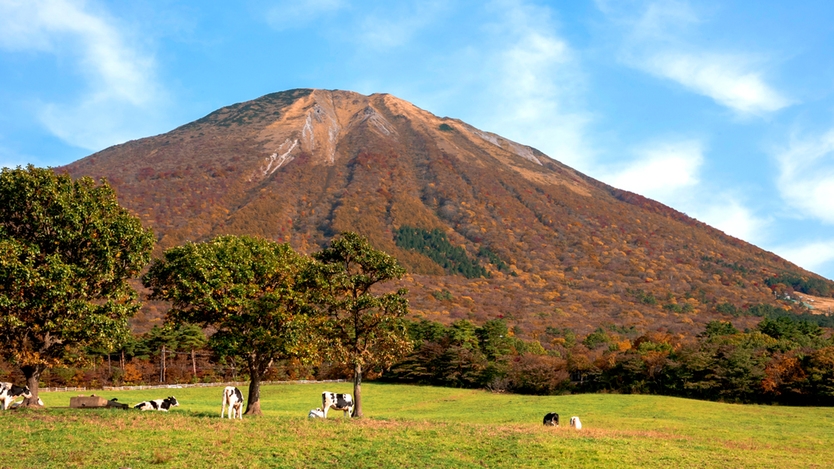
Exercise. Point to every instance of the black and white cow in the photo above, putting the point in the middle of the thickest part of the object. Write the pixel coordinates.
(551, 419)
(336, 401)
(232, 398)
(316, 414)
(9, 393)
(575, 423)
(158, 404)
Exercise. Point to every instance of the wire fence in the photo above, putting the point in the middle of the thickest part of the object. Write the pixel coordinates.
(180, 386)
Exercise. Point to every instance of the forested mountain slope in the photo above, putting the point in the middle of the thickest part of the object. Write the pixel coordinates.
(486, 227)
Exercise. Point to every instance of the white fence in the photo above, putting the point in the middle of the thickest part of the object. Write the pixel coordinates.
(185, 385)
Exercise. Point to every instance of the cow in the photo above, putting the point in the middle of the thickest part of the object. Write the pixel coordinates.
(336, 401)
(234, 399)
(551, 419)
(158, 404)
(316, 414)
(575, 423)
(9, 393)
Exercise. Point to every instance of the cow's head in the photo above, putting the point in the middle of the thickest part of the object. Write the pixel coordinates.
(173, 401)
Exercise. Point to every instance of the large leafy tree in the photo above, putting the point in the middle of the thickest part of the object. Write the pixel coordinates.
(247, 290)
(66, 251)
(365, 327)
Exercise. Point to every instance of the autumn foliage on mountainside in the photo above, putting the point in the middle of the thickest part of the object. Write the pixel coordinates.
(564, 250)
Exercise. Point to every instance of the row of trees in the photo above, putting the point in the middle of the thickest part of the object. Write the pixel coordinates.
(781, 360)
(67, 249)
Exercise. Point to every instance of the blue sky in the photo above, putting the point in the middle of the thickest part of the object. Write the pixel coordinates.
(721, 109)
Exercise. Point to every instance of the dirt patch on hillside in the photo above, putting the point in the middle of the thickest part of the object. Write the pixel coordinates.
(818, 304)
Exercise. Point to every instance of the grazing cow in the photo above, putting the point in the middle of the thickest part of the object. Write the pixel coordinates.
(336, 401)
(9, 393)
(575, 423)
(316, 414)
(158, 404)
(551, 419)
(234, 399)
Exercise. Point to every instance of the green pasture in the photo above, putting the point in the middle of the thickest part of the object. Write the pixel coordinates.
(417, 426)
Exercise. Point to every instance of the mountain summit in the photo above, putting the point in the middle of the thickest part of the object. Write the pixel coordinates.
(487, 227)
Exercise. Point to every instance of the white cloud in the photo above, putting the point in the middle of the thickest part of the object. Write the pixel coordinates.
(812, 256)
(670, 172)
(725, 78)
(293, 14)
(654, 42)
(806, 176)
(661, 171)
(534, 84)
(728, 214)
(122, 91)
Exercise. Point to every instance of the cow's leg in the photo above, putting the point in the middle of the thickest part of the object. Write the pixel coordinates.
(223, 407)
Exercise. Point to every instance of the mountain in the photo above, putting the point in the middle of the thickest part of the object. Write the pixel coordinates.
(487, 227)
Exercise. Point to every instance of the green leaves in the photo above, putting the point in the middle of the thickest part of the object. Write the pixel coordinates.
(246, 288)
(363, 327)
(66, 251)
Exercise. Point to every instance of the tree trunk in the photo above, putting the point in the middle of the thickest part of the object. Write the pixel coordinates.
(193, 363)
(357, 390)
(162, 366)
(32, 374)
(253, 404)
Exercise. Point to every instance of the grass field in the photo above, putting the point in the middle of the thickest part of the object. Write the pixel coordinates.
(416, 426)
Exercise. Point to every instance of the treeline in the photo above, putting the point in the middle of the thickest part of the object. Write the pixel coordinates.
(783, 360)
(807, 285)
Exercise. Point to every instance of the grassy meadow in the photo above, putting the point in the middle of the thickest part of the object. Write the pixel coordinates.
(417, 426)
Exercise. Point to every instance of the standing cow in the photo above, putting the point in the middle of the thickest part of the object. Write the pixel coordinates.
(336, 401)
(233, 398)
(9, 392)
(551, 419)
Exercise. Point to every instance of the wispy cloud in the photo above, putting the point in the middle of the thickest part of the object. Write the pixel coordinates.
(655, 41)
(806, 176)
(661, 170)
(535, 84)
(294, 14)
(670, 172)
(122, 92)
(399, 23)
(812, 256)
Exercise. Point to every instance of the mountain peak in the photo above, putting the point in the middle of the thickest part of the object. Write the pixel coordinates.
(495, 226)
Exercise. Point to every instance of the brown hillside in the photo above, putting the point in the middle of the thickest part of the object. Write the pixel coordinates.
(302, 165)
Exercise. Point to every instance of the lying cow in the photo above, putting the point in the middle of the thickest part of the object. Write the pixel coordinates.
(158, 404)
(316, 414)
(9, 393)
(551, 419)
(20, 404)
(575, 423)
(233, 398)
(336, 401)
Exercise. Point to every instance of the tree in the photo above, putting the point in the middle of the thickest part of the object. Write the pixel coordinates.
(364, 327)
(164, 339)
(66, 251)
(191, 338)
(247, 290)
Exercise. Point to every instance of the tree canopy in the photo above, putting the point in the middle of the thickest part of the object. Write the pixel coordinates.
(66, 251)
(247, 290)
(364, 327)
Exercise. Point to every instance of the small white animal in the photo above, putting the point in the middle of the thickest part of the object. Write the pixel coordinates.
(316, 413)
(575, 423)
